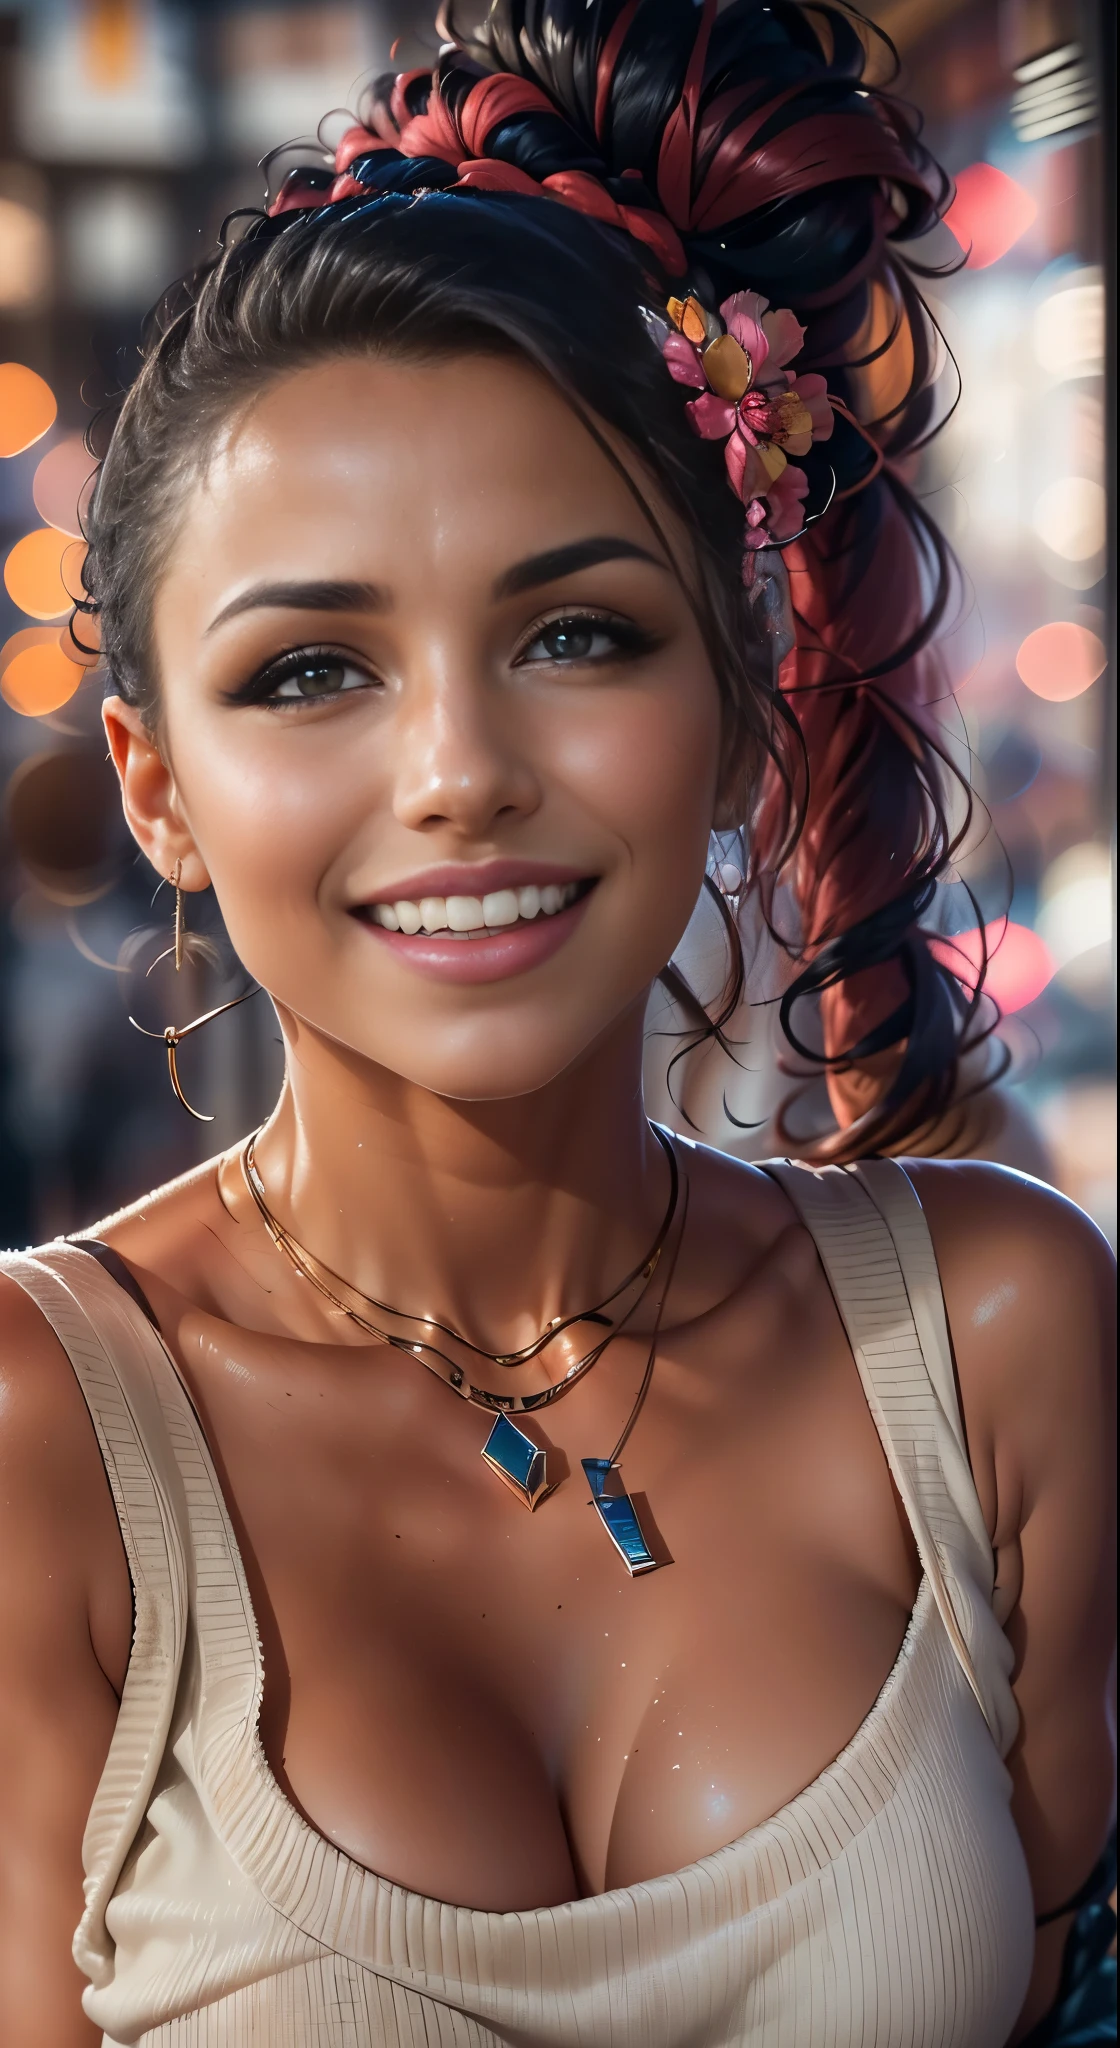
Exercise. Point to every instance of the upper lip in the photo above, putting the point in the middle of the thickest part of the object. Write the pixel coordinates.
(479, 878)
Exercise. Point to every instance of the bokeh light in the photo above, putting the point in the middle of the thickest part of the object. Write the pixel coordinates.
(989, 214)
(1070, 515)
(1076, 918)
(25, 254)
(1061, 660)
(40, 679)
(27, 408)
(64, 816)
(61, 484)
(1069, 329)
(40, 573)
(28, 636)
(1019, 962)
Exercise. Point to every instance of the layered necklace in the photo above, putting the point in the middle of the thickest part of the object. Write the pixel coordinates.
(519, 1462)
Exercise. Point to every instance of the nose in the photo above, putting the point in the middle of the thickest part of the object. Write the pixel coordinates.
(463, 756)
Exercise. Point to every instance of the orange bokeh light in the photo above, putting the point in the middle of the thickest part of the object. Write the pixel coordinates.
(27, 408)
(1019, 963)
(61, 484)
(989, 214)
(34, 572)
(51, 636)
(40, 679)
(28, 636)
(1061, 660)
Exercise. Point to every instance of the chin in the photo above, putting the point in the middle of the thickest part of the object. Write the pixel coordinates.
(493, 1056)
(497, 1063)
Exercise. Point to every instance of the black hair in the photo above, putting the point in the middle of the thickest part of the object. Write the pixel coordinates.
(753, 144)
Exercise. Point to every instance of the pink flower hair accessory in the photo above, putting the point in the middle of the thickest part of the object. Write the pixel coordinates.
(738, 360)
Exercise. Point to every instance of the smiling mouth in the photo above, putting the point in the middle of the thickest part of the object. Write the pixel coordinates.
(477, 917)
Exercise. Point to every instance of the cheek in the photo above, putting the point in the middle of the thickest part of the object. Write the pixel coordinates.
(272, 808)
(650, 770)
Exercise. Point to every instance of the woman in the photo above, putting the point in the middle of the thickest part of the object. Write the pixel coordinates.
(436, 553)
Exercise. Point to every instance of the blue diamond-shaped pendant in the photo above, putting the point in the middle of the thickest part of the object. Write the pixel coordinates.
(619, 1518)
(518, 1461)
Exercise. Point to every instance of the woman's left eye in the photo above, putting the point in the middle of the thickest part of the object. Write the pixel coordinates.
(312, 677)
(579, 639)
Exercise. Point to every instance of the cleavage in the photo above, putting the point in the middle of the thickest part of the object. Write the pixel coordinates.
(512, 1721)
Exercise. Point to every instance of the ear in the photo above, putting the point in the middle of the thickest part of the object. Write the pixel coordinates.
(150, 796)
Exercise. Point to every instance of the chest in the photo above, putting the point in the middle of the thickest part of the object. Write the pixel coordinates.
(479, 1702)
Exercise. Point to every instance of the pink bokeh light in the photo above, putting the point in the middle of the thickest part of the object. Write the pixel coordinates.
(1061, 660)
(1020, 964)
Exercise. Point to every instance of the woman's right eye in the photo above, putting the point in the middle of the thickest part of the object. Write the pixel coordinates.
(313, 677)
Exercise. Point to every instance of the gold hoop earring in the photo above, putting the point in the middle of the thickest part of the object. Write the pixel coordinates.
(173, 1034)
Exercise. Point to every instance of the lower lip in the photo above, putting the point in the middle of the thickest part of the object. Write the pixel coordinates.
(511, 950)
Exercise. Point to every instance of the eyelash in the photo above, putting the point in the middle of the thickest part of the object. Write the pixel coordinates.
(260, 688)
(629, 641)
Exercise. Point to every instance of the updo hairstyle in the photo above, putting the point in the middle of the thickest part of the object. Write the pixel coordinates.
(709, 153)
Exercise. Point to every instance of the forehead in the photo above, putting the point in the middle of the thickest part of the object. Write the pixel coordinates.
(405, 471)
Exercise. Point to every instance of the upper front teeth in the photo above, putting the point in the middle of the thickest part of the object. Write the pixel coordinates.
(474, 913)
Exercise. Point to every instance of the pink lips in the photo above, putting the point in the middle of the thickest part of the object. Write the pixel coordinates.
(477, 878)
(509, 950)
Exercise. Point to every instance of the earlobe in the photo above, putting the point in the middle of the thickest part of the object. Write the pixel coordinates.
(150, 796)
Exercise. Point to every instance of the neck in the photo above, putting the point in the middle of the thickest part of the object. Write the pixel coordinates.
(495, 1216)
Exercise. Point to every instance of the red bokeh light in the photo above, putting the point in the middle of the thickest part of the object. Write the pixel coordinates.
(1020, 964)
(989, 214)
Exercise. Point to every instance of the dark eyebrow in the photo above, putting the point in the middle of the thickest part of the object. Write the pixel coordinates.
(558, 562)
(304, 597)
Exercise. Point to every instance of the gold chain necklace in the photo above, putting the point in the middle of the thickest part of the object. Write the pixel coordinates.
(512, 1455)
(322, 1277)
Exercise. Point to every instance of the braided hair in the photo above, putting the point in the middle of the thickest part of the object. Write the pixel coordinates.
(560, 168)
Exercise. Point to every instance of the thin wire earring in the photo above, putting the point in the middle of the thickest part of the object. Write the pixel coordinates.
(179, 928)
(173, 1034)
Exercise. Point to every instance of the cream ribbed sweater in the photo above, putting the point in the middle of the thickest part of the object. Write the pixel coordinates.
(887, 1906)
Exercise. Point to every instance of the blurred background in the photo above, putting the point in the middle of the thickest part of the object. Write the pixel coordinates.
(128, 130)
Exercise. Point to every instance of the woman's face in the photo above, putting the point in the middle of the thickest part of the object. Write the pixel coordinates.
(437, 720)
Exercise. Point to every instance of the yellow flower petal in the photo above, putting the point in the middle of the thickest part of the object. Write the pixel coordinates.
(727, 367)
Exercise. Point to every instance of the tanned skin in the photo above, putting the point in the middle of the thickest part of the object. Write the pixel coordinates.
(480, 1152)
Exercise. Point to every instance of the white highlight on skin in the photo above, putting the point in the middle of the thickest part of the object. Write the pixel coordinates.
(1001, 1297)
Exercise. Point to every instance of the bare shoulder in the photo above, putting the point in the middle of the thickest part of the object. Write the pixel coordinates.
(743, 1220)
(65, 1631)
(58, 1526)
(736, 1188)
(1015, 1254)
(173, 1235)
(1029, 1286)
(45, 1431)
